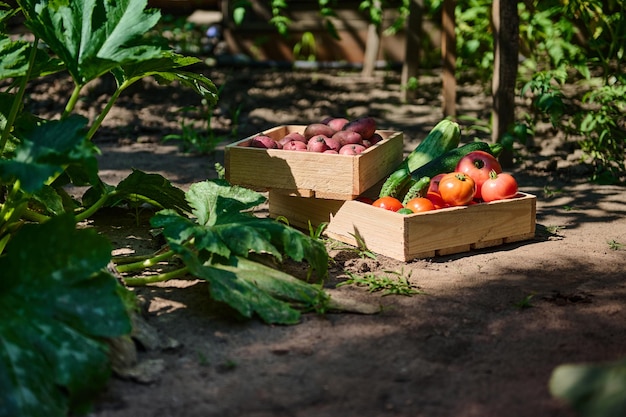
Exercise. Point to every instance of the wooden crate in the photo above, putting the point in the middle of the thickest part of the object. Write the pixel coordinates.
(421, 235)
(311, 174)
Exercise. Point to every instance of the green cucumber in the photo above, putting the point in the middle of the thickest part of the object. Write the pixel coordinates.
(445, 136)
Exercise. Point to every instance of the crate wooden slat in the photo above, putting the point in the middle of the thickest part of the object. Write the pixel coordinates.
(406, 237)
(310, 174)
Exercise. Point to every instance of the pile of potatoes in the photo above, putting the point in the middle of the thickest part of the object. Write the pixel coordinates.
(334, 135)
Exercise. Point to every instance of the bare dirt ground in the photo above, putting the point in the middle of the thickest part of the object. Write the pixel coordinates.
(463, 348)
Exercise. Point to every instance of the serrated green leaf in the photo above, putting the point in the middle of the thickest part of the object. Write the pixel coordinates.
(593, 390)
(54, 314)
(46, 150)
(237, 288)
(166, 69)
(154, 187)
(218, 202)
(180, 230)
(93, 37)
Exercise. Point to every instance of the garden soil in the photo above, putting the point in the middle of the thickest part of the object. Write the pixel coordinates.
(480, 338)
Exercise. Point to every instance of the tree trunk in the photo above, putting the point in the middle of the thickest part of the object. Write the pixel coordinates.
(448, 54)
(411, 50)
(506, 47)
(372, 45)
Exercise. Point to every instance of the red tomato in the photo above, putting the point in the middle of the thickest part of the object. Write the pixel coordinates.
(419, 204)
(478, 165)
(499, 186)
(365, 200)
(388, 203)
(457, 188)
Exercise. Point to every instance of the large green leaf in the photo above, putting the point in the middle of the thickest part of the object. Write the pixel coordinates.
(593, 390)
(153, 188)
(92, 37)
(251, 287)
(218, 202)
(54, 314)
(47, 150)
(166, 69)
(15, 60)
(216, 243)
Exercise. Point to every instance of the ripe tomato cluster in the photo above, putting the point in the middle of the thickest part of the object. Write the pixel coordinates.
(477, 178)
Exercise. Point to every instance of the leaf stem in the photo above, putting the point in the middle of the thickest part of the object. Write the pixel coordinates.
(135, 266)
(166, 276)
(98, 122)
(94, 207)
(71, 103)
(17, 102)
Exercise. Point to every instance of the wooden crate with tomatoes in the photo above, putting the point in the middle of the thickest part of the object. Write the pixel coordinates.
(291, 168)
(444, 198)
(410, 236)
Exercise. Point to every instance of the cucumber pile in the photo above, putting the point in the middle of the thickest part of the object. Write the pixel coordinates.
(438, 153)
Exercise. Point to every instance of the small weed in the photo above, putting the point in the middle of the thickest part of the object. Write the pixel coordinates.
(554, 230)
(394, 283)
(202, 359)
(361, 248)
(615, 245)
(548, 192)
(568, 208)
(316, 232)
(525, 302)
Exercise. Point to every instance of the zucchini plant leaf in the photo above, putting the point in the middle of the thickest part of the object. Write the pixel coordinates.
(166, 69)
(218, 202)
(14, 63)
(593, 390)
(93, 37)
(152, 188)
(54, 316)
(216, 244)
(46, 150)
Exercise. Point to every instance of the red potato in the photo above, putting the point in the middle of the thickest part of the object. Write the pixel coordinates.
(291, 136)
(351, 149)
(376, 137)
(262, 141)
(346, 137)
(315, 129)
(331, 151)
(337, 123)
(365, 126)
(295, 145)
(317, 144)
(333, 144)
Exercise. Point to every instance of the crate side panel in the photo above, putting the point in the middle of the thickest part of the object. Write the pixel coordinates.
(381, 231)
(336, 176)
(455, 227)
(299, 211)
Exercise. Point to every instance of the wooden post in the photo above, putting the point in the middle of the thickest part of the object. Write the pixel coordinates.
(372, 45)
(506, 47)
(411, 49)
(448, 54)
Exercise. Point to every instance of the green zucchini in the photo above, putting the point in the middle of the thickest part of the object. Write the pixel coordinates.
(445, 136)
(444, 163)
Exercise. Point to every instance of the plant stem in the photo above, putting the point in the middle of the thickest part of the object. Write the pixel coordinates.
(17, 102)
(98, 122)
(72, 101)
(139, 281)
(94, 207)
(127, 259)
(135, 266)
